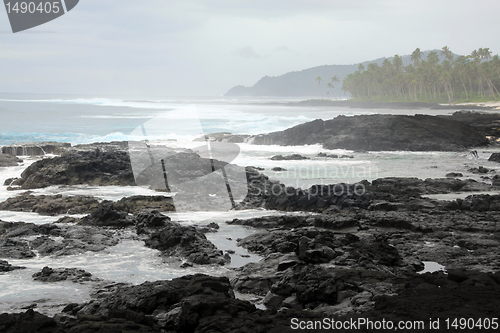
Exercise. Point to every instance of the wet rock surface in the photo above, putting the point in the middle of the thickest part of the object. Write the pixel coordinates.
(293, 157)
(106, 215)
(58, 204)
(76, 275)
(381, 132)
(35, 148)
(9, 160)
(80, 167)
(6, 267)
(495, 157)
(19, 240)
(50, 205)
(355, 250)
(175, 240)
(391, 193)
(140, 203)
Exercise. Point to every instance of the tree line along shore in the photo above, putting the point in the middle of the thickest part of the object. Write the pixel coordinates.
(456, 79)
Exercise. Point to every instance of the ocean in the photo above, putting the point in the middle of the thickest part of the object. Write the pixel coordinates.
(84, 119)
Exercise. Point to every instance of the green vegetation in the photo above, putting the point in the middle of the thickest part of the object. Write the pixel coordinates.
(472, 78)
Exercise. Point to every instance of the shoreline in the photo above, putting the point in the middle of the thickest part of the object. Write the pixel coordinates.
(491, 105)
(344, 255)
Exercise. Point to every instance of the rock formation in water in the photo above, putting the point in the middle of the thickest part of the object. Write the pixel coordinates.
(380, 132)
(34, 148)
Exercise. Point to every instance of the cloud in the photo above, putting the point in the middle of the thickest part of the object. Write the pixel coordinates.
(247, 52)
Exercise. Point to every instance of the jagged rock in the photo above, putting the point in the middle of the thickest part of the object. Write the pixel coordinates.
(495, 157)
(9, 160)
(50, 239)
(80, 167)
(50, 204)
(107, 216)
(138, 203)
(6, 267)
(327, 155)
(76, 275)
(35, 148)
(380, 132)
(182, 304)
(278, 169)
(293, 157)
(480, 170)
(30, 321)
(176, 240)
(454, 175)
(15, 249)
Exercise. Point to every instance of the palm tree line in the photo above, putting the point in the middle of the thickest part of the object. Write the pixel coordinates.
(455, 78)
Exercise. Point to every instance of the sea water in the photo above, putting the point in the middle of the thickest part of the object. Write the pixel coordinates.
(83, 119)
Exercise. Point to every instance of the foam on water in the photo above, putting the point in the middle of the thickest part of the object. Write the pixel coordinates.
(431, 267)
(113, 193)
(28, 217)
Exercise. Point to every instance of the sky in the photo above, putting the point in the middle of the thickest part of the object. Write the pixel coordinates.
(203, 48)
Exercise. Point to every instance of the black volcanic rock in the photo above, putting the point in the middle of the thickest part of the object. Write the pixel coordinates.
(78, 204)
(6, 267)
(80, 167)
(50, 205)
(293, 157)
(35, 148)
(138, 203)
(15, 249)
(175, 240)
(495, 157)
(51, 239)
(9, 160)
(30, 321)
(76, 275)
(107, 216)
(381, 132)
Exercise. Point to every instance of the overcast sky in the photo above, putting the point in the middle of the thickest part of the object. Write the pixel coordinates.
(203, 48)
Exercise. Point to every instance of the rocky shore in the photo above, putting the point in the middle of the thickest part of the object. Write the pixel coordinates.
(462, 130)
(354, 251)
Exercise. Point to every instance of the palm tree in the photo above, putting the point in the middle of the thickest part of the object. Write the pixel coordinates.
(448, 55)
(416, 56)
(319, 79)
(484, 54)
(463, 77)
